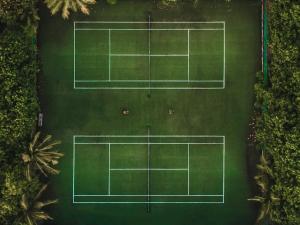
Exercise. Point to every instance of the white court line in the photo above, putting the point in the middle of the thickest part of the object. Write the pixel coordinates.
(224, 169)
(158, 29)
(73, 161)
(148, 161)
(149, 87)
(146, 143)
(109, 53)
(188, 151)
(188, 55)
(74, 57)
(224, 66)
(146, 88)
(165, 81)
(152, 202)
(126, 195)
(150, 55)
(109, 169)
(146, 169)
(165, 22)
(132, 136)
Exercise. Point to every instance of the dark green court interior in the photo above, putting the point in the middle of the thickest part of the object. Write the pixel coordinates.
(68, 112)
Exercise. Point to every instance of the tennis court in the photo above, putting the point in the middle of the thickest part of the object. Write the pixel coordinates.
(106, 78)
(149, 55)
(148, 169)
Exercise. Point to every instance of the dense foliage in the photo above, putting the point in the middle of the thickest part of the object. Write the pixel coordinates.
(13, 186)
(12, 11)
(18, 98)
(65, 6)
(278, 115)
(18, 112)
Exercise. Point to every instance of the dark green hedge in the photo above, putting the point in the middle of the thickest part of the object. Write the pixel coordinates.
(18, 105)
(13, 186)
(18, 97)
(13, 11)
(278, 124)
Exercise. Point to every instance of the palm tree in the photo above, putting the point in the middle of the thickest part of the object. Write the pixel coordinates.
(267, 202)
(264, 165)
(39, 156)
(66, 5)
(33, 210)
(267, 198)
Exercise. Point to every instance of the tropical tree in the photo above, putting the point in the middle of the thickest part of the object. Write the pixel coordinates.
(267, 203)
(66, 5)
(40, 156)
(33, 209)
(267, 198)
(13, 11)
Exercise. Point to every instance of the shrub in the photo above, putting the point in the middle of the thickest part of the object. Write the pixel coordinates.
(12, 187)
(277, 118)
(18, 97)
(12, 11)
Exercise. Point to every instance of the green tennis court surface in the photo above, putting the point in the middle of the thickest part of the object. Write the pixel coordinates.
(130, 169)
(165, 161)
(157, 55)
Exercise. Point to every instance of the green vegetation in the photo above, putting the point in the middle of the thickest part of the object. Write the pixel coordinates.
(33, 208)
(66, 5)
(19, 14)
(277, 118)
(40, 157)
(19, 105)
(13, 11)
(18, 112)
(27, 158)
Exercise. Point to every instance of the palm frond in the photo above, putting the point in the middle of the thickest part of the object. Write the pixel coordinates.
(28, 172)
(40, 205)
(40, 168)
(29, 220)
(24, 202)
(45, 140)
(262, 213)
(32, 210)
(257, 199)
(66, 5)
(40, 216)
(40, 156)
(38, 195)
(44, 167)
(262, 183)
(35, 139)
